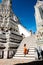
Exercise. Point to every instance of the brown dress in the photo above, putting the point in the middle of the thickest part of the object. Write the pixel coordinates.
(25, 51)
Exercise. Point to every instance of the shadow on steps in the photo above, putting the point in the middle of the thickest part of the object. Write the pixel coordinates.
(32, 63)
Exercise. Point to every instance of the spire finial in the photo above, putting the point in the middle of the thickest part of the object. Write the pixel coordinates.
(39, 0)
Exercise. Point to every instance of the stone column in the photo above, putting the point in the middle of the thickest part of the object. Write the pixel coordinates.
(6, 45)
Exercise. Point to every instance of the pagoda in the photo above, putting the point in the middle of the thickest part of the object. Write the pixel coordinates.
(10, 37)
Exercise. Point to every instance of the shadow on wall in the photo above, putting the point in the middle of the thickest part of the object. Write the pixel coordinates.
(32, 63)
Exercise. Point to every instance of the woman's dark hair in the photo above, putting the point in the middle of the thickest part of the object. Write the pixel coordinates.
(24, 45)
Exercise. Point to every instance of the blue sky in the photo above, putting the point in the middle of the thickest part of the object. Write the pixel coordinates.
(0, 1)
(24, 10)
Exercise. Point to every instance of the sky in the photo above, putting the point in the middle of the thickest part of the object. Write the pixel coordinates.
(24, 10)
(0, 1)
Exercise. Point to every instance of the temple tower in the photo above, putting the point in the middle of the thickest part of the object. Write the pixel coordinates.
(39, 15)
(9, 32)
(39, 21)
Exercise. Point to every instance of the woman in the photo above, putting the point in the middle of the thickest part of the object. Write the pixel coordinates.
(25, 50)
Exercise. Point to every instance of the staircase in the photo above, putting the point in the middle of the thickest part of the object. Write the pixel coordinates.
(31, 45)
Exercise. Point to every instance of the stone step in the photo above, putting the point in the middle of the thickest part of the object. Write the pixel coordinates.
(31, 45)
(24, 58)
(28, 48)
(23, 55)
(32, 51)
(23, 50)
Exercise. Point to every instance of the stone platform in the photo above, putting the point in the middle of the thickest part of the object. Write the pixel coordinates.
(13, 61)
